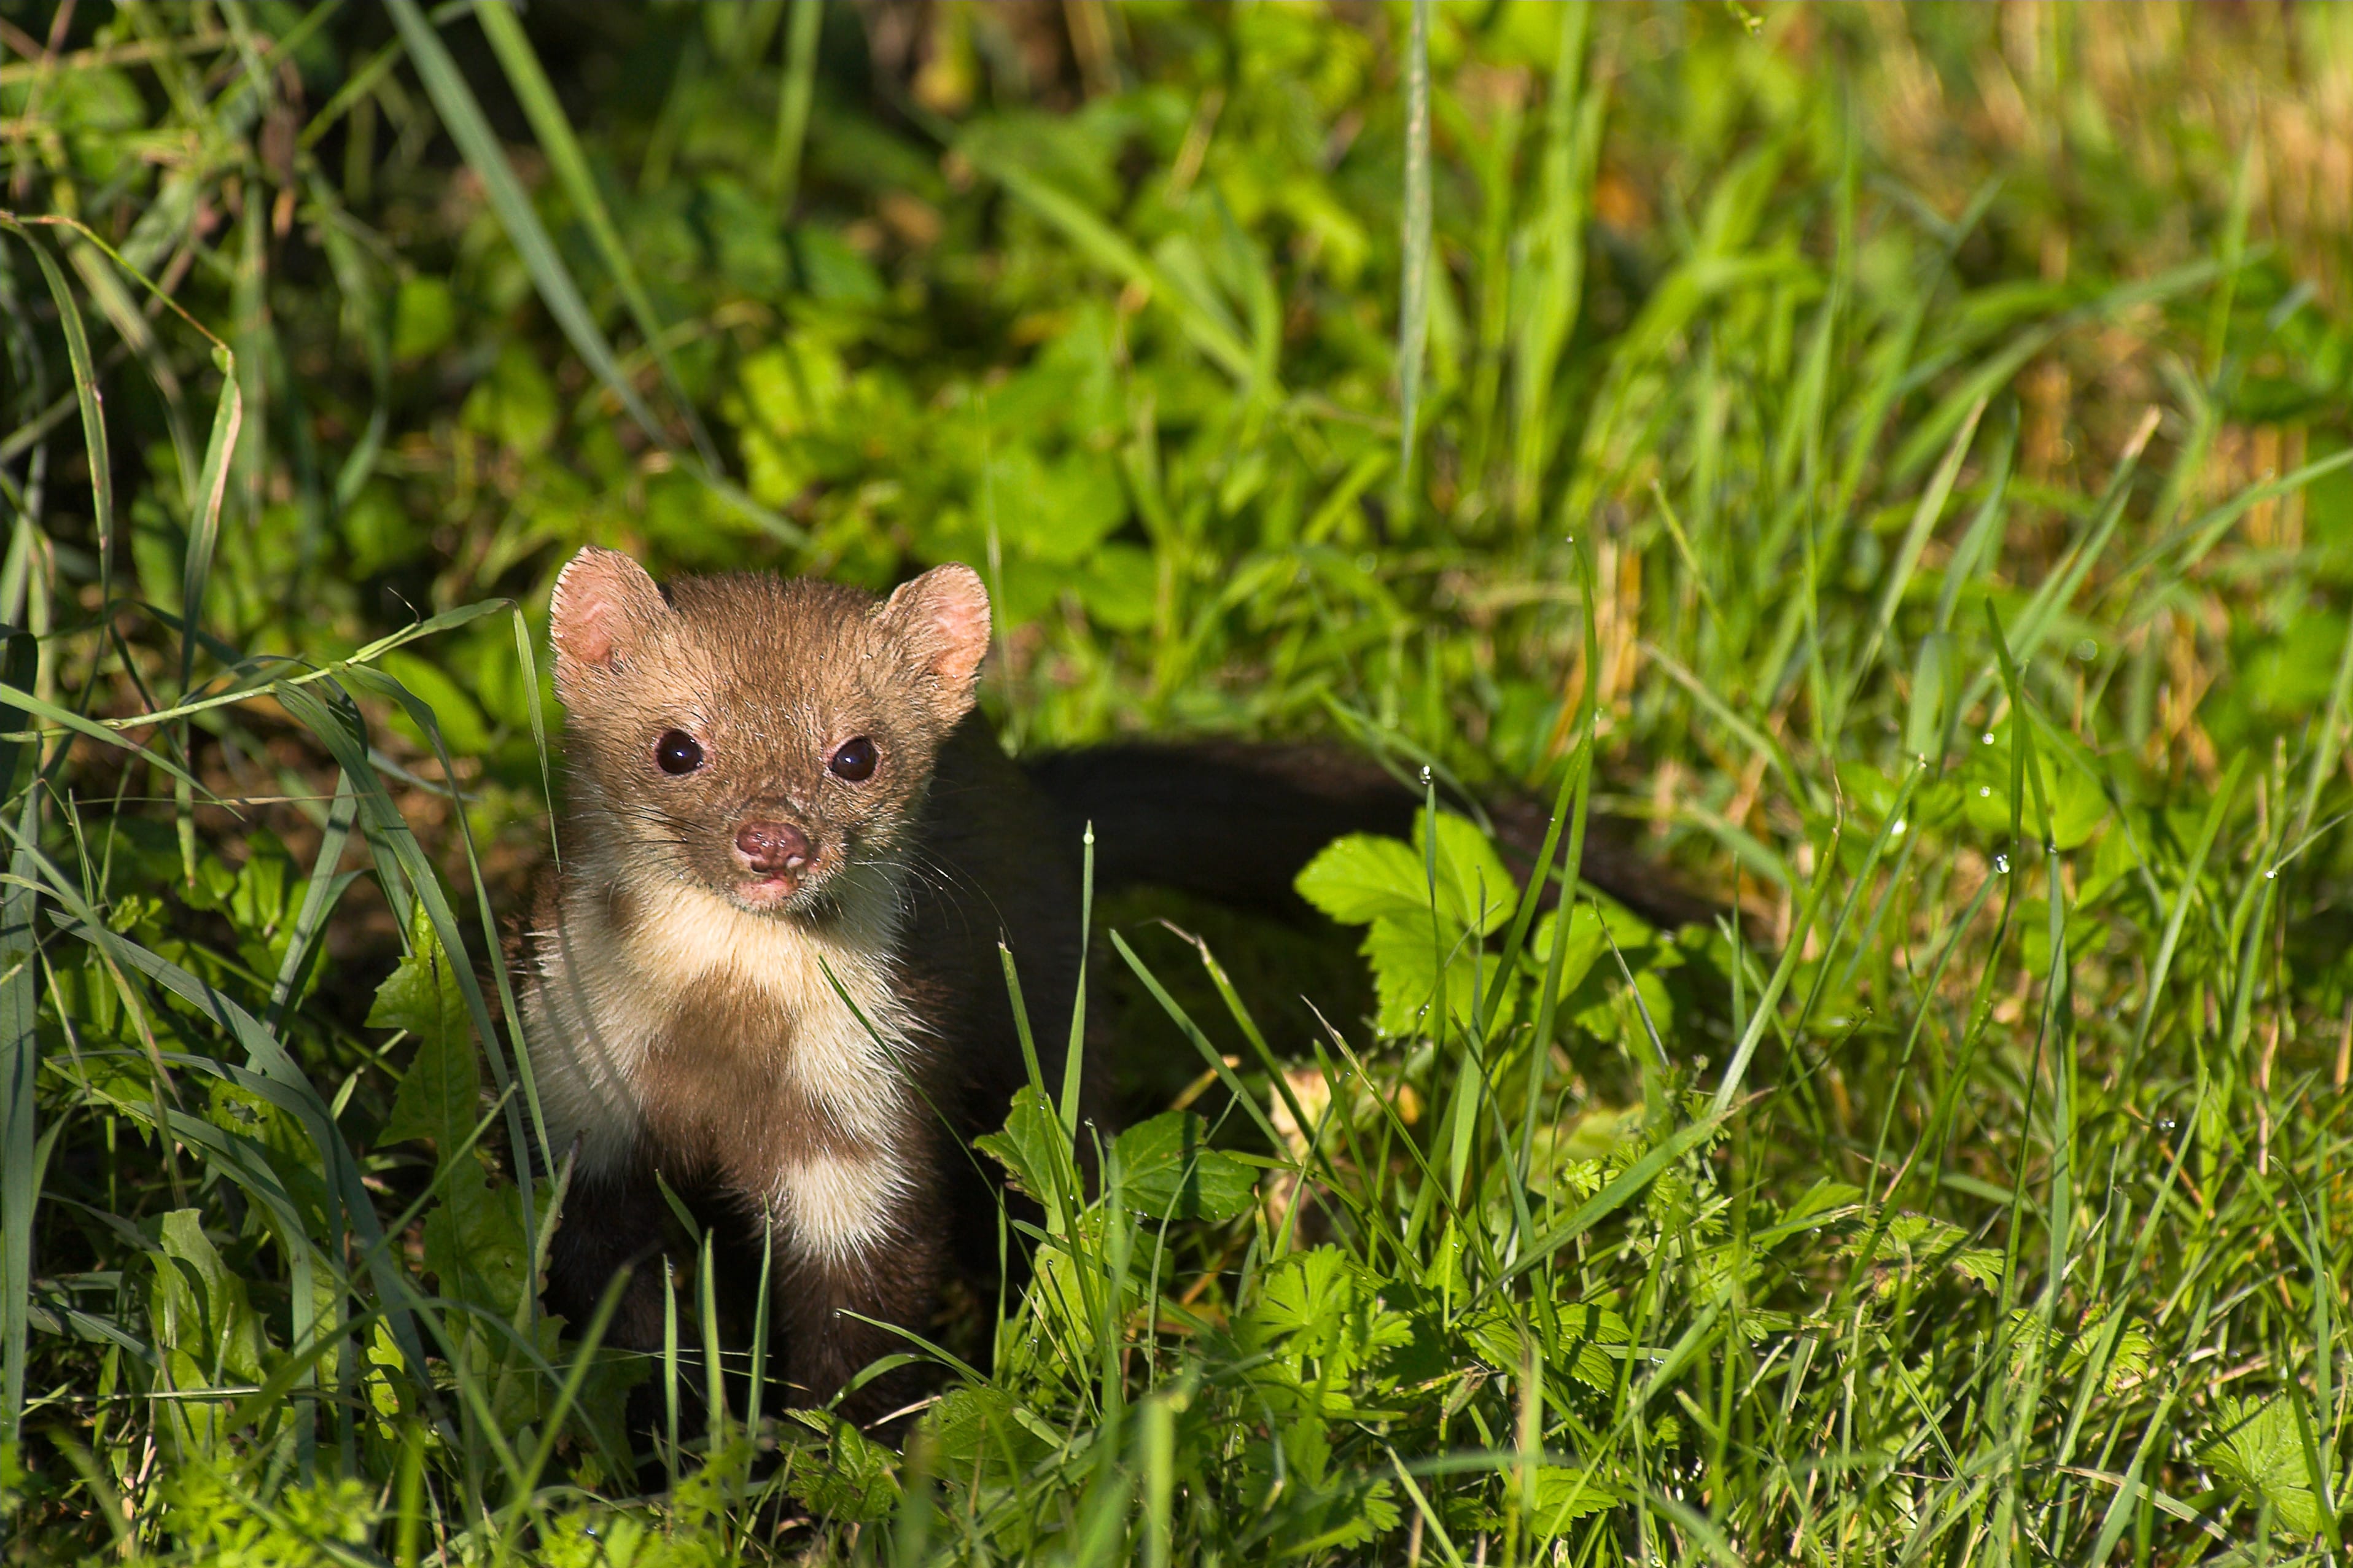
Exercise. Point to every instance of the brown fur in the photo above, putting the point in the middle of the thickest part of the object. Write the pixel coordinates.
(682, 1019)
(685, 1011)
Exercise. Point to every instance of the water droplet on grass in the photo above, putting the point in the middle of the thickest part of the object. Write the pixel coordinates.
(2001, 865)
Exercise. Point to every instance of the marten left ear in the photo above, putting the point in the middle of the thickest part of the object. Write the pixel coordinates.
(943, 615)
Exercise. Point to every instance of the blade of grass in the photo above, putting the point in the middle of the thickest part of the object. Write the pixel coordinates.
(793, 104)
(318, 899)
(1074, 1057)
(20, 1140)
(1759, 1020)
(462, 115)
(86, 394)
(1572, 143)
(1413, 308)
(570, 163)
(1925, 517)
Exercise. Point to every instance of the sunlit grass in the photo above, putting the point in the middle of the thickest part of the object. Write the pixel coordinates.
(1890, 466)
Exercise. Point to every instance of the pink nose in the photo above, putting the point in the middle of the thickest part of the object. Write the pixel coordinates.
(772, 848)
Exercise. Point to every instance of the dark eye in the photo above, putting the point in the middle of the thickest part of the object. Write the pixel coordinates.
(676, 752)
(854, 760)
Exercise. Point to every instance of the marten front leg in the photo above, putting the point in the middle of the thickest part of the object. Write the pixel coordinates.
(611, 1222)
(815, 1293)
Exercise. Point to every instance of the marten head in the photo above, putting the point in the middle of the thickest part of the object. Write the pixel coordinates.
(758, 736)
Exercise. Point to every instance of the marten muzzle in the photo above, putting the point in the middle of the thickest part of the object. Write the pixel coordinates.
(774, 851)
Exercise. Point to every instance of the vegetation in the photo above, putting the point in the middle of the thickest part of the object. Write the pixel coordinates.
(1899, 460)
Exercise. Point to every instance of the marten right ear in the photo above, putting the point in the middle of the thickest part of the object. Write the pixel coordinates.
(943, 616)
(605, 605)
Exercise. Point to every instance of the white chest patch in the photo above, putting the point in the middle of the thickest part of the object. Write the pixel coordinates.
(601, 1001)
(834, 989)
(837, 1208)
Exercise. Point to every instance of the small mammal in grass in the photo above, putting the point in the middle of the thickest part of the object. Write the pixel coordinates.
(768, 970)
(767, 973)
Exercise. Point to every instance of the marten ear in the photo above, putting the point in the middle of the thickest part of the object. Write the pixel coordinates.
(943, 616)
(605, 605)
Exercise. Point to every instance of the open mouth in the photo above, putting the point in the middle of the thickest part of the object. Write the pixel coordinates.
(765, 892)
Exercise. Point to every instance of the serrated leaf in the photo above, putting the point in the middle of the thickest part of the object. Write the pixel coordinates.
(2257, 1449)
(1303, 1289)
(1323, 1305)
(1029, 1144)
(1405, 974)
(1587, 1332)
(2128, 1359)
(1364, 877)
(1170, 1172)
(978, 1429)
(1564, 1496)
(474, 1242)
(440, 1094)
(1359, 879)
(421, 995)
(1473, 883)
(1501, 1339)
(1911, 1240)
(1586, 946)
(846, 1475)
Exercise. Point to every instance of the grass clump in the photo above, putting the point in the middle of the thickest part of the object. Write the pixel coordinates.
(1873, 453)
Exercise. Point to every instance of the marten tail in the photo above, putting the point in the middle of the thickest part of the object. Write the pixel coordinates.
(1237, 822)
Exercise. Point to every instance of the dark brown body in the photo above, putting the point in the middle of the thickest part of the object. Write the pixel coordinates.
(769, 974)
(994, 867)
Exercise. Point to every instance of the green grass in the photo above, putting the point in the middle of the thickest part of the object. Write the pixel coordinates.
(1899, 461)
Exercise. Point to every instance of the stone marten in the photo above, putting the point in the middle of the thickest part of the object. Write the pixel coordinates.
(768, 970)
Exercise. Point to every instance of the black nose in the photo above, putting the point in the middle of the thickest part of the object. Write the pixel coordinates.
(769, 848)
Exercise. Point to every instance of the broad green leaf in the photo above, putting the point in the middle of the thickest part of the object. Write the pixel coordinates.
(464, 729)
(1405, 973)
(1359, 879)
(1582, 1350)
(1586, 944)
(792, 387)
(203, 1300)
(204, 1331)
(1169, 1173)
(2257, 1449)
(1473, 884)
(424, 317)
(1564, 1496)
(1119, 584)
(1913, 1240)
(845, 1475)
(474, 1242)
(1364, 877)
(980, 1428)
(440, 1094)
(1030, 1145)
(2071, 784)
(515, 405)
